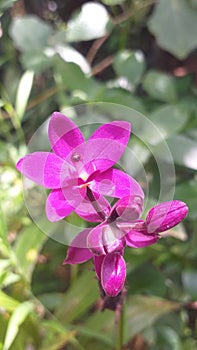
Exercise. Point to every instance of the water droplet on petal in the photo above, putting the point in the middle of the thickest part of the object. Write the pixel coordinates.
(76, 157)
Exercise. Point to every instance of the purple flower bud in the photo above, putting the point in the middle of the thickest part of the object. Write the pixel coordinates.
(166, 215)
(113, 274)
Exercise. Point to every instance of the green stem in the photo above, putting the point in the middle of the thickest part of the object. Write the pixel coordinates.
(120, 327)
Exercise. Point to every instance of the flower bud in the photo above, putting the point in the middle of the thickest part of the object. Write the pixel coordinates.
(166, 215)
(113, 274)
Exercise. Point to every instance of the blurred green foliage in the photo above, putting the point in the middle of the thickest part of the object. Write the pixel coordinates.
(49, 64)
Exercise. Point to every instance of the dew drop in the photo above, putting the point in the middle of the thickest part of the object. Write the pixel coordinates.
(76, 157)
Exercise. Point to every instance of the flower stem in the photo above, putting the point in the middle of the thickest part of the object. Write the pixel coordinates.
(95, 204)
(120, 326)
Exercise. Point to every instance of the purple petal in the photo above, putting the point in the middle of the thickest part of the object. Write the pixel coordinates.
(78, 252)
(116, 183)
(105, 238)
(136, 239)
(98, 260)
(113, 274)
(64, 135)
(107, 144)
(87, 209)
(166, 215)
(95, 240)
(113, 238)
(73, 193)
(57, 207)
(44, 168)
(128, 208)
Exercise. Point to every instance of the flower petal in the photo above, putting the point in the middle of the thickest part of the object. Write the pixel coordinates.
(95, 240)
(115, 183)
(107, 144)
(64, 135)
(166, 215)
(136, 239)
(98, 260)
(105, 238)
(113, 274)
(128, 208)
(87, 210)
(57, 207)
(73, 193)
(78, 252)
(44, 168)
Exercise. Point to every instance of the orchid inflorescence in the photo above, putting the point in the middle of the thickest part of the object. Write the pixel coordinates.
(80, 176)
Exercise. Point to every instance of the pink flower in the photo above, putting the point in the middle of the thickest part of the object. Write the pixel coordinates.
(106, 242)
(74, 166)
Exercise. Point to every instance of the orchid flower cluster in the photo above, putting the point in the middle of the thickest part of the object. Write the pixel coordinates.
(80, 176)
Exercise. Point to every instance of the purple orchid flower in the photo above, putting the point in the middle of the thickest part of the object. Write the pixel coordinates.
(77, 170)
(106, 242)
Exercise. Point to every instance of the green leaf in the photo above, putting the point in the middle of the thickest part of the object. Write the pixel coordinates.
(189, 279)
(187, 192)
(81, 295)
(130, 64)
(143, 311)
(71, 77)
(113, 2)
(3, 232)
(90, 23)
(23, 92)
(17, 318)
(27, 249)
(36, 61)
(140, 313)
(30, 33)
(183, 150)
(174, 23)
(169, 120)
(5, 4)
(7, 302)
(160, 86)
(153, 281)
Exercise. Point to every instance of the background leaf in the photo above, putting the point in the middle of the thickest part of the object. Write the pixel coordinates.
(130, 64)
(30, 33)
(23, 92)
(90, 23)
(160, 86)
(174, 23)
(16, 319)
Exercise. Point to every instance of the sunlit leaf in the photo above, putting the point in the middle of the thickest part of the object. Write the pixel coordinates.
(183, 150)
(17, 318)
(90, 23)
(7, 302)
(23, 92)
(27, 249)
(174, 23)
(3, 232)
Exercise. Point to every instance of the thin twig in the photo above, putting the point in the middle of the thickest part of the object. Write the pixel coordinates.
(95, 47)
(98, 68)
